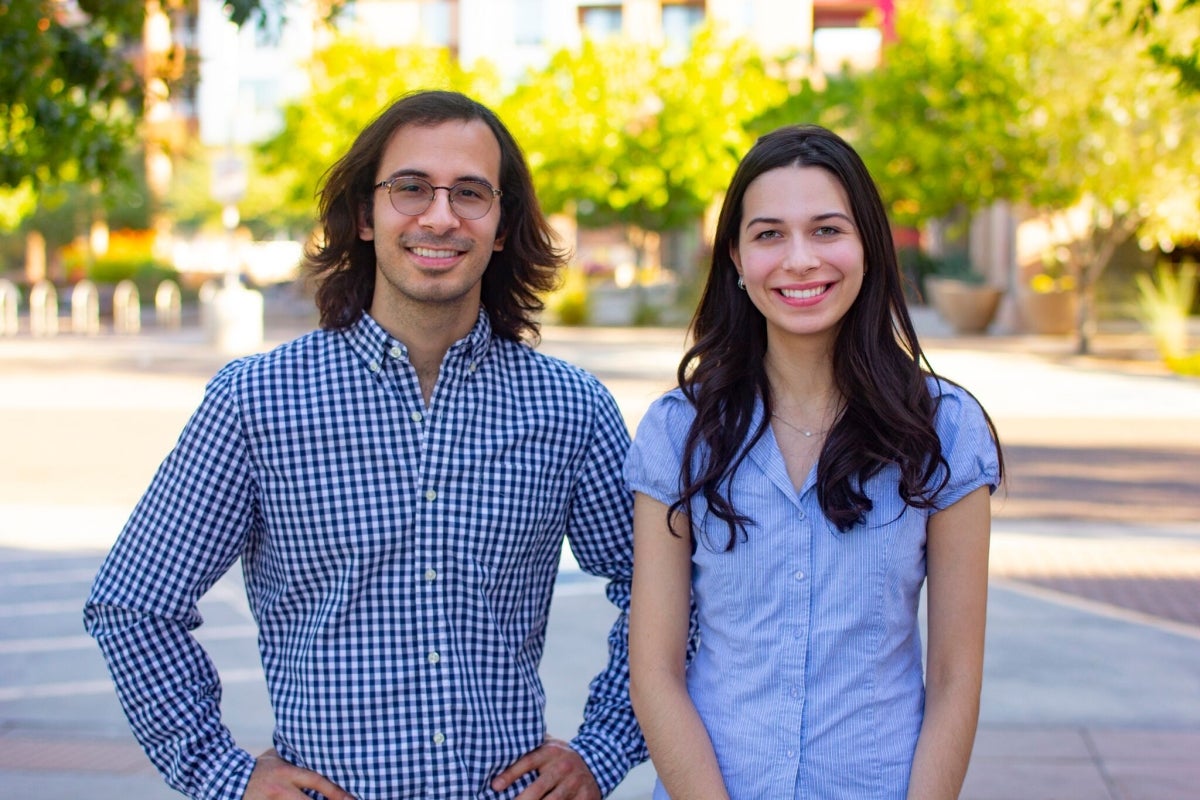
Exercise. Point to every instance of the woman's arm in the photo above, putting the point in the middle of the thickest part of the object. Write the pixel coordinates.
(658, 635)
(957, 562)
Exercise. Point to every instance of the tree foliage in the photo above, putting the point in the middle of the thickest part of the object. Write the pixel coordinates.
(621, 135)
(1039, 105)
(69, 99)
(945, 121)
(1172, 30)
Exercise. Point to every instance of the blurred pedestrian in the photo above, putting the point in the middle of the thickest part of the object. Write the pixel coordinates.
(799, 486)
(397, 486)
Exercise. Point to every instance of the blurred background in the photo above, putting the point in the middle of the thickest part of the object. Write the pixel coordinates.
(1039, 159)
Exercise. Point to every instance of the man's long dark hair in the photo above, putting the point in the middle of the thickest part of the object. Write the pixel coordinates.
(888, 416)
(344, 265)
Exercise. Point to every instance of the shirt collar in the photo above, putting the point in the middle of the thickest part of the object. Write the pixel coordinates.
(371, 343)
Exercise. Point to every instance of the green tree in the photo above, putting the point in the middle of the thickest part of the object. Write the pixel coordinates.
(944, 121)
(1172, 30)
(617, 134)
(1116, 129)
(69, 99)
(1041, 106)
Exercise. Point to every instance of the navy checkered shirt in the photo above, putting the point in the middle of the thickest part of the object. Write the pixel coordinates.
(399, 560)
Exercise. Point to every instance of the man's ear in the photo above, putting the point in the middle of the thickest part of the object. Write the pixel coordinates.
(498, 244)
(366, 222)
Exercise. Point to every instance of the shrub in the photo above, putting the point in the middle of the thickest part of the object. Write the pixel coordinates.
(1164, 302)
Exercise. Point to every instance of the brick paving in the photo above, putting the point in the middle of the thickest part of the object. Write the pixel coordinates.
(1100, 508)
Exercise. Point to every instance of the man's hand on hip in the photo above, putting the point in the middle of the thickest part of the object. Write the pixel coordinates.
(561, 774)
(275, 779)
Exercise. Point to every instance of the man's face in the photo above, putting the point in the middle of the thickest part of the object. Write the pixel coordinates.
(433, 261)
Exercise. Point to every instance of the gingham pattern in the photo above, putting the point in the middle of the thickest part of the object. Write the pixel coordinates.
(808, 674)
(399, 561)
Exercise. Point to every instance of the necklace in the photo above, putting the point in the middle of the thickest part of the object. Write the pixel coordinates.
(804, 431)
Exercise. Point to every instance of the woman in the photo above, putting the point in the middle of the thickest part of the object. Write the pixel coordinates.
(796, 491)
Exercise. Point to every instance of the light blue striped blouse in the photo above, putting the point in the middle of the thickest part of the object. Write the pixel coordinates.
(808, 674)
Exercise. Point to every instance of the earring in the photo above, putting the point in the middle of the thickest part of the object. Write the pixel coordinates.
(741, 283)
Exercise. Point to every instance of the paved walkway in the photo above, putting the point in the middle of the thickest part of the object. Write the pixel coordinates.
(1092, 673)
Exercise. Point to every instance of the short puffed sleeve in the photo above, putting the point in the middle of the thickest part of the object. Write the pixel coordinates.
(652, 466)
(967, 444)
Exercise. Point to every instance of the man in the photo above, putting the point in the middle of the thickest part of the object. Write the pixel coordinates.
(397, 486)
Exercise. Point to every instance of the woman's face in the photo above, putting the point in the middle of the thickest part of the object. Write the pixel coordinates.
(798, 250)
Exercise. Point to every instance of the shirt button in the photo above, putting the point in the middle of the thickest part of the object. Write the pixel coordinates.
(791, 753)
(431, 574)
(471, 367)
(396, 352)
(434, 657)
(439, 737)
(374, 366)
(795, 692)
(799, 574)
(416, 416)
(430, 495)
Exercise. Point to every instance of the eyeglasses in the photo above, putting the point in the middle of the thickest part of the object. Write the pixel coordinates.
(411, 196)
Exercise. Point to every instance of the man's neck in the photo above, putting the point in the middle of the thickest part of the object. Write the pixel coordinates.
(428, 335)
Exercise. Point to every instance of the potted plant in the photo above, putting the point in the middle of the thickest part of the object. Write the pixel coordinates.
(1049, 301)
(961, 296)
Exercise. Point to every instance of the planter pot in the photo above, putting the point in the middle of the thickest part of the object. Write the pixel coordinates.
(966, 307)
(1050, 313)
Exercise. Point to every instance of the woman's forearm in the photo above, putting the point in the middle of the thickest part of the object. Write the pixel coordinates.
(679, 744)
(947, 737)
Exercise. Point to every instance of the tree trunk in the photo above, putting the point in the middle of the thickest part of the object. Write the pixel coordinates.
(1095, 256)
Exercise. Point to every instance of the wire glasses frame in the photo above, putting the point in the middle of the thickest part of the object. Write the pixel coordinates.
(411, 196)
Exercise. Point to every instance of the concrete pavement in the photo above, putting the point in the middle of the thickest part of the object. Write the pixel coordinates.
(1092, 673)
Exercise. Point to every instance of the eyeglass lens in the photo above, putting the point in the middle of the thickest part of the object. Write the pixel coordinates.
(469, 199)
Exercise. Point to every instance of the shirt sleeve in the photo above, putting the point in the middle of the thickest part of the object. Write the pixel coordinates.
(183, 535)
(601, 535)
(968, 446)
(653, 464)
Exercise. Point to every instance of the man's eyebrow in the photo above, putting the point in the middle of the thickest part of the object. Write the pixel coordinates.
(416, 173)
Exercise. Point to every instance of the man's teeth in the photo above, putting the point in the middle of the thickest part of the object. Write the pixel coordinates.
(802, 294)
(426, 252)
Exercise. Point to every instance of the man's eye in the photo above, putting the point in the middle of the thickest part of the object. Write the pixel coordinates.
(470, 192)
(408, 187)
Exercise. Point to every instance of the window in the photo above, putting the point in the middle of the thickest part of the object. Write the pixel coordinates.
(437, 22)
(529, 25)
(679, 24)
(600, 21)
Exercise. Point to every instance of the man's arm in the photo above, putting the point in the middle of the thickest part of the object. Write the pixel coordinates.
(186, 532)
(601, 536)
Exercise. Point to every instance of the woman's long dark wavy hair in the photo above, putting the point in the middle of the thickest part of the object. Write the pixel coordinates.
(888, 414)
(344, 264)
